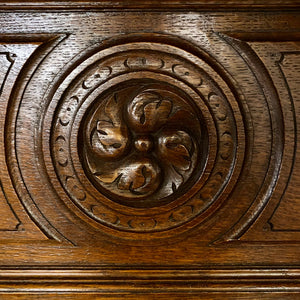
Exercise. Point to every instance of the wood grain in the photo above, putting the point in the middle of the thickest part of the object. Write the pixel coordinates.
(150, 4)
(149, 150)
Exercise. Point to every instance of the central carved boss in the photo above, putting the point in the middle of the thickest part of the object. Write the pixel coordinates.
(141, 143)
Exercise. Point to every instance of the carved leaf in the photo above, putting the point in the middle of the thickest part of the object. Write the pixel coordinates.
(175, 148)
(175, 151)
(110, 137)
(141, 177)
(148, 111)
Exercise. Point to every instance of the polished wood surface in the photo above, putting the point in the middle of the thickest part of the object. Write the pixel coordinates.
(150, 4)
(149, 150)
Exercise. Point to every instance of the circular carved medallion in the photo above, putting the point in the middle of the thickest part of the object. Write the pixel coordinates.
(143, 139)
(142, 143)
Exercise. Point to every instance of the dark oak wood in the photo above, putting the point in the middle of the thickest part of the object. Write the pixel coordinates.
(149, 150)
(150, 4)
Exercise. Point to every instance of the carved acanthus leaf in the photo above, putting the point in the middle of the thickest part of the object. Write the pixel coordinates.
(175, 148)
(110, 137)
(135, 176)
(148, 111)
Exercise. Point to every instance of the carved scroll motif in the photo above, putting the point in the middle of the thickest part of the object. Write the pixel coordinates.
(6, 62)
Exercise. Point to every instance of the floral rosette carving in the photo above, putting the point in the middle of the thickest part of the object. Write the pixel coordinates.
(142, 144)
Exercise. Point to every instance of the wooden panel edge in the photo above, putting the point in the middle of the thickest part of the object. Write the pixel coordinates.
(114, 281)
(148, 4)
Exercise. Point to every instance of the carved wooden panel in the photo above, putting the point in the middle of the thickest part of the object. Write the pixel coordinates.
(149, 151)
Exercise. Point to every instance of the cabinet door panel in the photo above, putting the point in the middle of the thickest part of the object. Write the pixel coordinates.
(146, 150)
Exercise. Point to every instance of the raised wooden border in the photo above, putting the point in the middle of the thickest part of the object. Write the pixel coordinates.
(159, 281)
